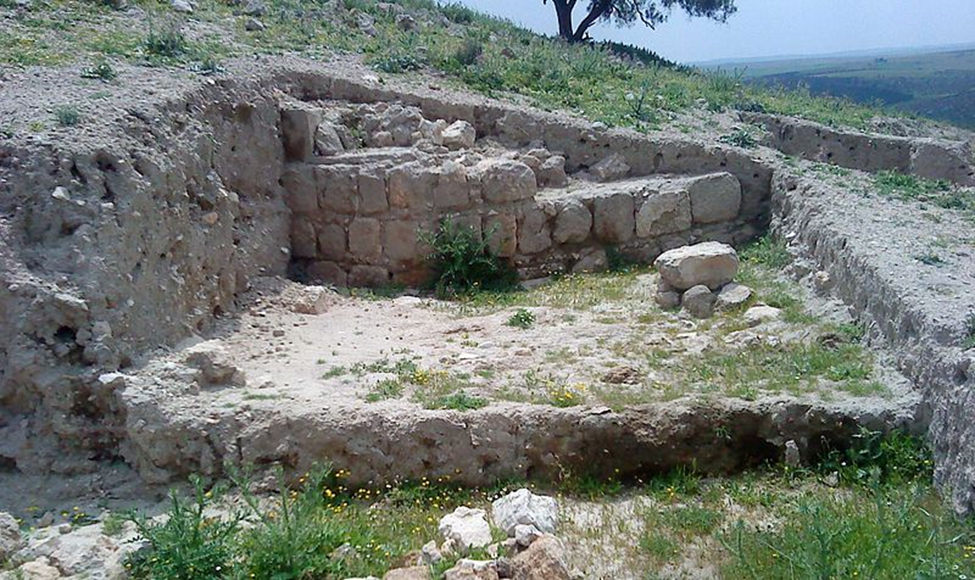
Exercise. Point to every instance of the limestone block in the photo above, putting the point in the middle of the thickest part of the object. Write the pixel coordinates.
(613, 217)
(365, 244)
(298, 127)
(712, 264)
(698, 301)
(301, 189)
(368, 276)
(524, 507)
(611, 168)
(332, 242)
(459, 135)
(664, 212)
(338, 187)
(304, 242)
(504, 180)
(410, 185)
(372, 193)
(452, 190)
(714, 198)
(399, 241)
(467, 527)
(534, 233)
(551, 173)
(572, 223)
(327, 272)
(502, 232)
(327, 140)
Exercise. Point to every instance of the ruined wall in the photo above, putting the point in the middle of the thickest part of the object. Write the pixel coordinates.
(115, 245)
(865, 254)
(931, 158)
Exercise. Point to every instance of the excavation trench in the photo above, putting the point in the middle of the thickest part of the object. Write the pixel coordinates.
(153, 317)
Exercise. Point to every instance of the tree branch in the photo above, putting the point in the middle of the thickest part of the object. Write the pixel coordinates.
(599, 8)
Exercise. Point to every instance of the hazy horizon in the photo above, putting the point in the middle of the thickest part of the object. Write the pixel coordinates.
(776, 28)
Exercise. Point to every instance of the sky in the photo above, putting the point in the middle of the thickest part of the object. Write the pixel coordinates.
(765, 28)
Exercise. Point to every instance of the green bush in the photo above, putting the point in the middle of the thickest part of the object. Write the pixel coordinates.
(168, 42)
(875, 458)
(469, 52)
(296, 538)
(463, 262)
(67, 115)
(188, 544)
(969, 340)
(522, 318)
(100, 70)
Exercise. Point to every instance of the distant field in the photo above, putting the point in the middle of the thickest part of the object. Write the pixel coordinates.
(940, 85)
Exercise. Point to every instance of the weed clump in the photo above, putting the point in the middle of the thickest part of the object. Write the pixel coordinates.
(463, 262)
(167, 42)
(101, 70)
(522, 318)
(67, 116)
(190, 544)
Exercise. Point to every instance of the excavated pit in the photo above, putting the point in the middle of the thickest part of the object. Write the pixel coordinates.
(152, 317)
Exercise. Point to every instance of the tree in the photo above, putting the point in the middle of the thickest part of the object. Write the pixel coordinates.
(627, 12)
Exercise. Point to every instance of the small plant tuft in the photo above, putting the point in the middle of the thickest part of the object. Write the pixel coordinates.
(969, 340)
(463, 262)
(167, 42)
(522, 318)
(67, 115)
(739, 138)
(101, 70)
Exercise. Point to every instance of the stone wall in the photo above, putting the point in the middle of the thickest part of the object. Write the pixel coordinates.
(359, 216)
(930, 158)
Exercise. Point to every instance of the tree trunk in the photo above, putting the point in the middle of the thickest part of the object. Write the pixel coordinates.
(563, 9)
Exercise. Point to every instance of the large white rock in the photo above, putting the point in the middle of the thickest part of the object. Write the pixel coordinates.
(467, 527)
(522, 507)
(459, 135)
(712, 264)
(10, 539)
(504, 180)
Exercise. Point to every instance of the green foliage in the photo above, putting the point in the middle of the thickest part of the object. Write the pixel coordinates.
(296, 537)
(459, 401)
(100, 70)
(67, 115)
(189, 544)
(522, 318)
(875, 458)
(889, 534)
(384, 390)
(739, 138)
(936, 192)
(397, 63)
(969, 340)
(768, 252)
(463, 262)
(469, 52)
(166, 42)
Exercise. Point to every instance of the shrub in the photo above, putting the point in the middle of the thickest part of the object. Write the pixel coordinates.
(522, 318)
(100, 70)
(739, 138)
(395, 63)
(167, 42)
(296, 537)
(768, 252)
(463, 262)
(67, 115)
(877, 458)
(969, 340)
(469, 52)
(188, 544)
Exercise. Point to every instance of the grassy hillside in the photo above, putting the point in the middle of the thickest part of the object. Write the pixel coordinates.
(939, 85)
(620, 86)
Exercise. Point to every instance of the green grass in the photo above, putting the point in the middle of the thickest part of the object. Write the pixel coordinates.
(615, 84)
(885, 533)
(969, 339)
(939, 193)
